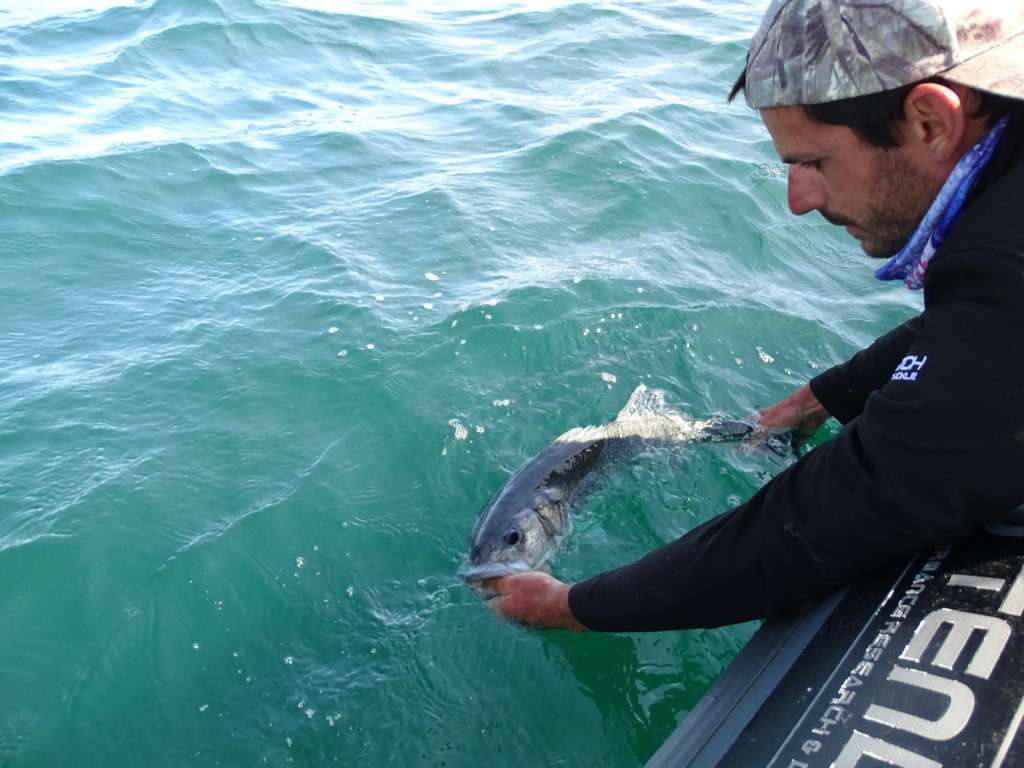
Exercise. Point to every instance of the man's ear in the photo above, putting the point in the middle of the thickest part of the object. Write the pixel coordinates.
(935, 120)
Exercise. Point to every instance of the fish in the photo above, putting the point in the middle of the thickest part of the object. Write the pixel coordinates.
(524, 523)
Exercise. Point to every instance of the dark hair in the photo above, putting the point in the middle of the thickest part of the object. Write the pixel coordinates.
(874, 118)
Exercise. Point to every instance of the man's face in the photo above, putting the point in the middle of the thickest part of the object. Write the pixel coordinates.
(880, 196)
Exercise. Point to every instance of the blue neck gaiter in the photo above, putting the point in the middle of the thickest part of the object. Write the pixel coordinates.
(910, 264)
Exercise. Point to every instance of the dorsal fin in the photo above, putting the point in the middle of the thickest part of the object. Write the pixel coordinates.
(644, 402)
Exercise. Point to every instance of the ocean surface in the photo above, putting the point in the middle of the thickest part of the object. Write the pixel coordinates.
(287, 289)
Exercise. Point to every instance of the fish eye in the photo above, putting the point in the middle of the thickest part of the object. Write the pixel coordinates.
(512, 537)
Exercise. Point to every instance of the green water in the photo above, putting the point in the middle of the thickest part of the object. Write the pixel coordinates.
(288, 288)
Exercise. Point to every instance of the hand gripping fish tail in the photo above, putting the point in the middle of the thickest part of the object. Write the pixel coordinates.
(526, 520)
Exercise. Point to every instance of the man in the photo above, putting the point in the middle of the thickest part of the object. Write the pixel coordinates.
(902, 121)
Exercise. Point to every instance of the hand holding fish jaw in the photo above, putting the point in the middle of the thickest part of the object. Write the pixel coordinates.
(534, 598)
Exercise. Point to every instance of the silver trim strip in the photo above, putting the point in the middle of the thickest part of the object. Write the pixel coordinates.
(1011, 733)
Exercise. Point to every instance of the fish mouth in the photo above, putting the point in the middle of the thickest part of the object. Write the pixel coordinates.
(477, 573)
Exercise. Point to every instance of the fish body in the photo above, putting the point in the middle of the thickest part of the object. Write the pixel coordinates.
(526, 520)
(528, 517)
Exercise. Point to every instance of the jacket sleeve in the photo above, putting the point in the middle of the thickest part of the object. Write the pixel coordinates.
(931, 458)
(844, 389)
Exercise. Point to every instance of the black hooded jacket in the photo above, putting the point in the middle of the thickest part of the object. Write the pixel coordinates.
(932, 447)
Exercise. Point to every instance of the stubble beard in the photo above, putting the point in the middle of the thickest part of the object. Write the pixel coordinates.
(901, 198)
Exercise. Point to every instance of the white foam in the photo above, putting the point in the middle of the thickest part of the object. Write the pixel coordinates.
(461, 433)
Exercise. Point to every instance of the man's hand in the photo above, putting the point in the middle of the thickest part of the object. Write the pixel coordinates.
(800, 411)
(534, 598)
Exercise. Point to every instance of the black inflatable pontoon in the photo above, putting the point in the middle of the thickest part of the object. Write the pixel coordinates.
(923, 667)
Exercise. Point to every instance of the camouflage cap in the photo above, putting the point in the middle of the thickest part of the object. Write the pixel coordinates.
(813, 51)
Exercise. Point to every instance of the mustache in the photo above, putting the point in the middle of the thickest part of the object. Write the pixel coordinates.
(831, 218)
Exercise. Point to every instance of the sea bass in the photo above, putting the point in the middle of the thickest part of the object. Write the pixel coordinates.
(523, 524)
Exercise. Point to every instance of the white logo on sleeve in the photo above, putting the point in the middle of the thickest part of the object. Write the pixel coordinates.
(908, 369)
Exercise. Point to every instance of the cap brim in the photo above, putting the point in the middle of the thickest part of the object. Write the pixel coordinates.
(996, 70)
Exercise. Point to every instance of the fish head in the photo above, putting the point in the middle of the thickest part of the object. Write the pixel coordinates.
(513, 540)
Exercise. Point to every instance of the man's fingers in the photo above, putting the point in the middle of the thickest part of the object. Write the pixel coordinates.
(494, 604)
(493, 585)
(498, 587)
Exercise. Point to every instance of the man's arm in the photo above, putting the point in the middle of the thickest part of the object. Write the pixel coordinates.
(845, 387)
(842, 391)
(846, 509)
